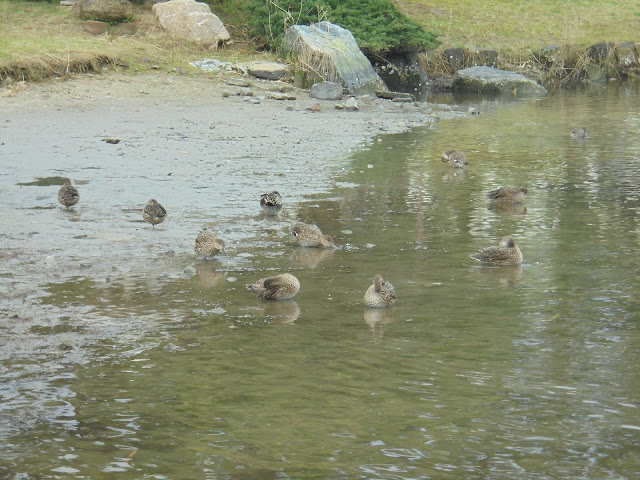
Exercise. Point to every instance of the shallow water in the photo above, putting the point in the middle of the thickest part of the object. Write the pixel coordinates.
(168, 368)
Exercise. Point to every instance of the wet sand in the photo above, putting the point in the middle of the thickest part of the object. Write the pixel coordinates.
(205, 157)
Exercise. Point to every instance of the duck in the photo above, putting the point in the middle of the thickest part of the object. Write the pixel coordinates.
(507, 194)
(308, 235)
(506, 253)
(271, 203)
(279, 287)
(208, 244)
(456, 158)
(68, 195)
(579, 132)
(154, 213)
(380, 295)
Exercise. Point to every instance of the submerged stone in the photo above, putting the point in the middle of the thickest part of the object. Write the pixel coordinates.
(492, 81)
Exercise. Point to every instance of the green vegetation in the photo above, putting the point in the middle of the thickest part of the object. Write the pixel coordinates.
(377, 25)
(40, 39)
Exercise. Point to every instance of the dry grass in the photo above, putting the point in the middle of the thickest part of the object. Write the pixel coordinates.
(514, 28)
(39, 40)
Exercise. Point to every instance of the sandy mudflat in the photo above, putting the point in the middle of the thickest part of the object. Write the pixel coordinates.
(205, 157)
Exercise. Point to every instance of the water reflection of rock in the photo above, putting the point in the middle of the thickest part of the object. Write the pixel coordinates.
(284, 311)
(306, 257)
(376, 318)
(505, 276)
(508, 208)
(209, 274)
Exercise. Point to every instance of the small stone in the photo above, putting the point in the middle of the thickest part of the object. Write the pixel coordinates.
(267, 70)
(279, 96)
(237, 82)
(351, 104)
(128, 28)
(95, 27)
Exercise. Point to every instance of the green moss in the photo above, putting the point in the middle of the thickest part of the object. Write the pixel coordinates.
(377, 25)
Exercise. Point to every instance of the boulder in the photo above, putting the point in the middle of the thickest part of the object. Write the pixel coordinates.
(601, 52)
(267, 70)
(626, 54)
(103, 10)
(403, 72)
(483, 56)
(455, 57)
(488, 80)
(330, 52)
(192, 21)
(326, 91)
(556, 55)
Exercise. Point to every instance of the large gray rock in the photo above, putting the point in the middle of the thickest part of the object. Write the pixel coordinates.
(192, 21)
(332, 52)
(103, 10)
(488, 80)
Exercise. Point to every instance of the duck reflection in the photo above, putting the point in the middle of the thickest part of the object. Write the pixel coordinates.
(505, 276)
(284, 311)
(303, 257)
(454, 175)
(508, 208)
(209, 274)
(377, 318)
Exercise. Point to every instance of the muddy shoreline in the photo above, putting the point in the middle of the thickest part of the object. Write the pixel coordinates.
(205, 156)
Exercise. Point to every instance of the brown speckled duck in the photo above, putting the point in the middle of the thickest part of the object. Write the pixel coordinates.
(278, 287)
(507, 253)
(308, 235)
(455, 158)
(68, 194)
(154, 213)
(508, 194)
(379, 295)
(208, 244)
(580, 132)
(271, 203)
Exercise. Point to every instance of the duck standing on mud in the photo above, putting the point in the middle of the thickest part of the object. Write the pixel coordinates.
(68, 195)
(208, 244)
(271, 203)
(154, 213)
